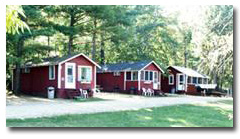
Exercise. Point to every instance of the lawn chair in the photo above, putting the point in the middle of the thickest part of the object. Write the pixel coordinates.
(144, 92)
(85, 93)
(95, 90)
(150, 92)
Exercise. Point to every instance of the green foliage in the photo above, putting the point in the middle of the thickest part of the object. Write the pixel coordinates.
(217, 48)
(123, 33)
(13, 19)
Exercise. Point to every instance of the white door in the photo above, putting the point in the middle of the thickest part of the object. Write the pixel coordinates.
(180, 82)
(155, 80)
(70, 75)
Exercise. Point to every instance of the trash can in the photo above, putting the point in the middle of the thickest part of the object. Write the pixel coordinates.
(173, 90)
(51, 92)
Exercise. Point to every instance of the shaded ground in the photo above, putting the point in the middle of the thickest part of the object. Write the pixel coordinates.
(214, 114)
(32, 107)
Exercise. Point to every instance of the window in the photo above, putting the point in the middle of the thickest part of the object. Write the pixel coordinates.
(194, 80)
(189, 79)
(142, 75)
(135, 76)
(171, 79)
(70, 74)
(199, 80)
(205, 81)
(155, 77)
(148, 75)
(85, 74)
(181, 80)
(26, 70)
(129, 75)
(116, 73)
(151, 75)
(52, 72)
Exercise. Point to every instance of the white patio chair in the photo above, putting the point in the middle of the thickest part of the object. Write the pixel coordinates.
(81, 92)
(95, 90)
(144, 92)
(85, 94)
(150, 92)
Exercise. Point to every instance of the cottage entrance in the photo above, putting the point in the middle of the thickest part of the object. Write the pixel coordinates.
(70, 75)
(155, 80)
(180, 82)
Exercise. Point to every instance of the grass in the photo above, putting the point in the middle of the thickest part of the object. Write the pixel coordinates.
(209, 115)
(90, 99)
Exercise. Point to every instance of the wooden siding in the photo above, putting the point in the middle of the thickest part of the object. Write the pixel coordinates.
(108, 82)
(79, 61)
(37, 81)
(166, 87)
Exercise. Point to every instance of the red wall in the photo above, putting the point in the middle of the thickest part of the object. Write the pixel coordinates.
(191, 90)
(130, 84)
(79, 61)
(37, 81)
(165, 83)
(151, 67)
(107, 81)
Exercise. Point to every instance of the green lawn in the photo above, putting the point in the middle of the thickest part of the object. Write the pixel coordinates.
(218, 114)
(90, 99)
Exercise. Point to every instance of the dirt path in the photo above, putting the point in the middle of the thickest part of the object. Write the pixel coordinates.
(36, 107)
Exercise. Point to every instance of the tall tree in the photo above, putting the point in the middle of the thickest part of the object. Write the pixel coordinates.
(217, 47)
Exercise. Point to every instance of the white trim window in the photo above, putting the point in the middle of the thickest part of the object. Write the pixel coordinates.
(128, 76)
(171, 79)
(51, 72)
(194, 80)
(142, 75)
(116, 73)
(85, 74)
(189, 80)
(134, 76)
(148, 75)
(26, 70)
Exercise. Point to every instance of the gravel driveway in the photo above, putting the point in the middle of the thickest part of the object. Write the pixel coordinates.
(31, 107)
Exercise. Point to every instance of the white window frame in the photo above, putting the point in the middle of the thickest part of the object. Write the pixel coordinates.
(49, 72)
(80, 73)
(132, 76)
(184, 79)
(191, 80)
(171, 75)
(148, 80)
(196, 80)
(116, 73)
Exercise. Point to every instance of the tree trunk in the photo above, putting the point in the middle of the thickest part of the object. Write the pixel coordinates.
(48, 39)
(17, 82)
(102, 55)
(185, 57)
(94, 39)
(70, 42)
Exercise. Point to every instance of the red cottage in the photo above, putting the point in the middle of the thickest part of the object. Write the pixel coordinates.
(129, 77)
(185, 80)
(62, 73)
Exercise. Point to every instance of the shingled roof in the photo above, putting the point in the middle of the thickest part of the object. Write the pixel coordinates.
(56, 60)
(126, 66)
(189, 72)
